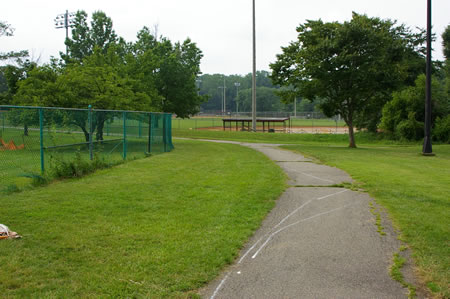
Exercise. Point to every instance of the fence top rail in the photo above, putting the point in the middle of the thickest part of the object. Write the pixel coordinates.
(77, 109)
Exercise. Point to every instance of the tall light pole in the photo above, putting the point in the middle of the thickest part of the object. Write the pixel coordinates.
(65, 20)
(237, 84)
(427, 148)
(224, 107)
(254, 72)
(295, 107)
(224, 96)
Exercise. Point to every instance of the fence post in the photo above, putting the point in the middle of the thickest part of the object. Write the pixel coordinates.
(124, 135)
(3, 121)
(91, 144)
(149, 146)
(140, 127)
(165, 132)
(41, 138)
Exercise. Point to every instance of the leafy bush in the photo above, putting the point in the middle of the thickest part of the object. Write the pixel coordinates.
(77, 167)
(404, 116)
(410, 129)
(441, 131)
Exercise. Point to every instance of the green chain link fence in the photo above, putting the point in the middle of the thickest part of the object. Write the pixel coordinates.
(34, 139)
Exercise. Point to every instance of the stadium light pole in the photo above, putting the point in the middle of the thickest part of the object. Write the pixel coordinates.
(427, 148)
(223, 96)
(254, 72)
(237, 84)
(65, 20)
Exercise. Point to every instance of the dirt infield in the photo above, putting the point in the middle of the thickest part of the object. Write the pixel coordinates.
(295, 130)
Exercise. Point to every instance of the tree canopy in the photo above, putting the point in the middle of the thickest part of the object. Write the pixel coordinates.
(7, 30)
(352, 66)
(103, 70)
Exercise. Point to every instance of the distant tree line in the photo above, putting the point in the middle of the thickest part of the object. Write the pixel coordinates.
(107, 72)
(238, 94)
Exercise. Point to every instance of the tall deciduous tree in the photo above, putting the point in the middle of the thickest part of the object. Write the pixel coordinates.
(352, 66)
(176, 77)
(85, 38)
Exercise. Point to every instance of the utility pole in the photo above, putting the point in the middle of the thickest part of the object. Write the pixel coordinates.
(295, 107)
(223, 96)
(237, 84)
(254, 72)
(427, 148)
(65, 20)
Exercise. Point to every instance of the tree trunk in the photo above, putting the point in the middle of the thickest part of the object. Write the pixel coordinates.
(86, 133)
(351, 136)
(100, 126)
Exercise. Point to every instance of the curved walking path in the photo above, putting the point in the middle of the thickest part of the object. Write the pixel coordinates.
(318, 242)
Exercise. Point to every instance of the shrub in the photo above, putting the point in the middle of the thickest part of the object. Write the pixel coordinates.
(397, 119)
(77, 167)
(441, 131)
(410, 128)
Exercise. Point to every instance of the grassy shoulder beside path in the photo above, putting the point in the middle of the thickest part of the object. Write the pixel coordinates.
(156, 227)
(413, 188)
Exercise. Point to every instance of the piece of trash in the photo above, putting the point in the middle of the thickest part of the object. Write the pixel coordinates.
(5, 233)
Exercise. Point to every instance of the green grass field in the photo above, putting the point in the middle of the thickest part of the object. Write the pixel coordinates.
(162, 226)
(196, 191)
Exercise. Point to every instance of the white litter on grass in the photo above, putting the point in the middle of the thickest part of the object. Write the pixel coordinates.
(4, 230)
(5, 233)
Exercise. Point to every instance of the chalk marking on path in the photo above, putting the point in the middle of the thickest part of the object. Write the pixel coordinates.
(248, 251)
(295, 223)
(293, 212)
(219, 286)
(310, 175)
(323, 197)
(285, 218)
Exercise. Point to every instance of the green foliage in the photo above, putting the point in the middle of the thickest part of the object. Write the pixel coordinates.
(77, 167)
(446, 42)
(441, 131)
(237, 96)
(86, 38)
(353, 66)
(179, 67)
(410, 128)
(267, 99)
(7, 30)
(403, 117)
(102, 70)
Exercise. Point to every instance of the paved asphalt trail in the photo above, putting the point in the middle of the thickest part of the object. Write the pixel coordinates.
(318, 242)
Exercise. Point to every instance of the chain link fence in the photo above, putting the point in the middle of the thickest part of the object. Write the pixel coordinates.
(33, 140)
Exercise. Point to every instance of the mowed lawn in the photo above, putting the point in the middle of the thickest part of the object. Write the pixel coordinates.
(414, 189)
(162, 226)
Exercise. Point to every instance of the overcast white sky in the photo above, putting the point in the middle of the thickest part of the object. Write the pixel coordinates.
(221, 29)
